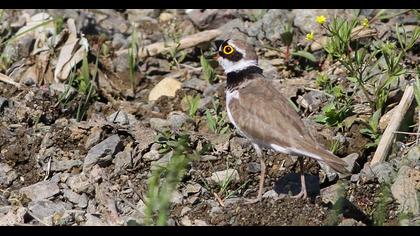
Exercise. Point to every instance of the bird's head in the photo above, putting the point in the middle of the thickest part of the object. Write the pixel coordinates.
(236, 55)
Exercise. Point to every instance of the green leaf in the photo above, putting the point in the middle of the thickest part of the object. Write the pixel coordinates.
(307, 55)
(365, 131)
(374, 120)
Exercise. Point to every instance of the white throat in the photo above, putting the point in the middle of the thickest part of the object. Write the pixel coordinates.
(230, 66)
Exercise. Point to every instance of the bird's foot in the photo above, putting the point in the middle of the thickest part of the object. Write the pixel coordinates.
(249, 201)
(303, 195)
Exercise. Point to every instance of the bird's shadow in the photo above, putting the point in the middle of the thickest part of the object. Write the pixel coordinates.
(290, 184)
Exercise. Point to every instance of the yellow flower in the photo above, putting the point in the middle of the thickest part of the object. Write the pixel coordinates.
(320, 19)
(310, 36)
(365, 22)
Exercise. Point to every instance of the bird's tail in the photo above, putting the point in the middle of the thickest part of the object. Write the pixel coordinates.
(321, 154)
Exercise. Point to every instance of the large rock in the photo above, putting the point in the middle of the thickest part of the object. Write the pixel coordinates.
(79, 199)
(13, 216)
(46, 209)
(103, 151)
(211, 18)
(41, 190)
(406, 188)
(305, 18)
(166, 87)
(384, 172)
(271, 26)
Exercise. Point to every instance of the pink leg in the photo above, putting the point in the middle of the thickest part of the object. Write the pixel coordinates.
(303, 193)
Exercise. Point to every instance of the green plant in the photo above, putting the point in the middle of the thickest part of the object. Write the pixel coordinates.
(216, 118)
(58, 23)
(85, 87)
(208, 71)
(382, 205)
(172, 38)
(287, 39)
(334, 113)
(339, 36)
(165, 178)
(372, 130)
(335, 146)
(192, 104)
(224, 189)
(256, 16)
(132, 59)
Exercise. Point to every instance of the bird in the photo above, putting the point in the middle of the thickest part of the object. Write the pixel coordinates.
(262, 114)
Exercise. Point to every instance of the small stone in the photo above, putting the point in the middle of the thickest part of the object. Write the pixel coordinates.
(351, 222)
(123, 160)
(232, 201)
(215, 210)
(223, 176)
(64, 165)
(94, 137)
(177, 197)
(120, 62)
(78, 183)
(119, 41)
(196, 84)
(159, 124)
(185, 221)
(45, 208)
(332, 193)
(166, 87)
(366, 174)
(166, 16)
(40, 190)
(163, 161)
(152, 155)
(177, 119)
(193, 199)
(351, 162)
(193, 188)
(64, 88)
(209, 158)
(200, 223)
(383, 172)
(274, 195)
(237, 146)
(7, 175)
(92, 220)
(253, 167)
(119, 117)
(80, 199)
(277, 62)
(269, 71)
(108, 147)
(185, 210)
(412, 158)
(63, 219)
(354, 178)
(329, 174)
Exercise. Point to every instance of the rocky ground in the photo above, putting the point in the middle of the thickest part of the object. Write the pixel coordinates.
(83, 154)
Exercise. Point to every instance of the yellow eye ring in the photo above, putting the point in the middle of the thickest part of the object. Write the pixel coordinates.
(228, 49)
